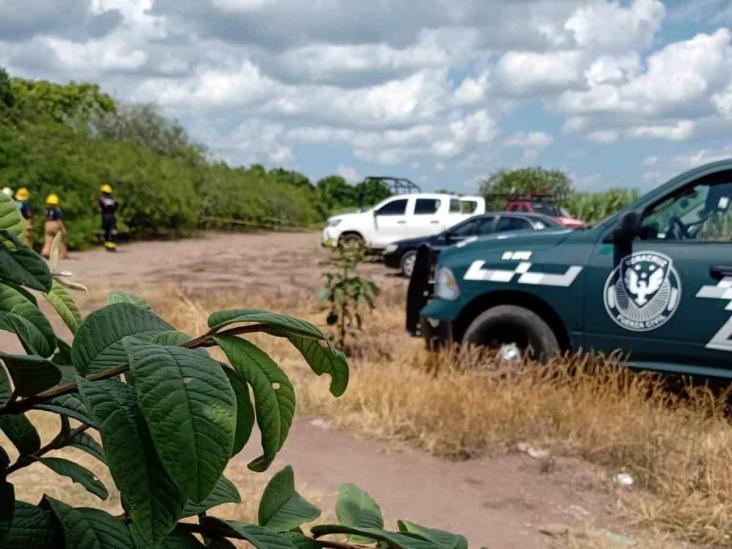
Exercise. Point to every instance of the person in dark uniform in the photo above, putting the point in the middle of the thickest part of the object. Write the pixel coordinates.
(108, 208)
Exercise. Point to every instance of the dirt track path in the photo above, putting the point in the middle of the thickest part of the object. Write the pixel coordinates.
(499, 503)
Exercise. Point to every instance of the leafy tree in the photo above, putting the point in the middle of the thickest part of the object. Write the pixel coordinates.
(526, 180)
(6, 93)
(169, 417)
(371, 192)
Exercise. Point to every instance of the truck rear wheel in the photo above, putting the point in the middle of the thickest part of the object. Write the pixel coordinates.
(505, 325)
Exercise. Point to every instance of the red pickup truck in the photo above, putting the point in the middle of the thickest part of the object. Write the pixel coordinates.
(542, 203)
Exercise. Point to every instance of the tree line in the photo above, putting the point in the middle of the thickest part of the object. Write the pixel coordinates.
(70, 138)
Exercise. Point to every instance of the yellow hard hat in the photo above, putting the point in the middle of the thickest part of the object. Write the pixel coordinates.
(106, 188)
(22, 194)
(52, 199)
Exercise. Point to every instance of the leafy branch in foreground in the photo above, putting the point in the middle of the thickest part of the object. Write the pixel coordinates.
(170, 418)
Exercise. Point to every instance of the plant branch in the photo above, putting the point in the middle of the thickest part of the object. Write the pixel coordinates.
(59, 441)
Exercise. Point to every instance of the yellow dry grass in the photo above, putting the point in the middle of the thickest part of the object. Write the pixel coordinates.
(457, 404)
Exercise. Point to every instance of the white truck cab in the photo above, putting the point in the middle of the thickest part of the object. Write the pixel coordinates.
(402, 216)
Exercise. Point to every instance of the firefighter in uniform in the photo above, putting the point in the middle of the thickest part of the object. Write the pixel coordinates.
(22, 197)
(108, 208)
(54, 225)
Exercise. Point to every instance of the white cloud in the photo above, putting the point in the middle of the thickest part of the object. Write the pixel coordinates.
(348, 173)
(680, 131)
(530, 73)
(658, 170)
(531, 143)
(603, 136)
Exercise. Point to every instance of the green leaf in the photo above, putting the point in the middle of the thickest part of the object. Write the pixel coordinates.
(274, 396)
(31, 374)
(357, 509)
(223, 492)
(21, 432)
(123, 297)
(180, 540)
(21, 265)
(244, 410)
(91, 528)
(282, 508)
(153, 501)
(323, 358)
(78, 474)
(98, 343)
(259, 537)
(61, 300)
(439, 537)
(86, 443)
(301, 541)
(282, 324)
(19, 315)
(190, 409)
(10, 218)
(29, 527)
(6, 390)
(172, 338)
(67, 405)
(392, 540)
(7, 494)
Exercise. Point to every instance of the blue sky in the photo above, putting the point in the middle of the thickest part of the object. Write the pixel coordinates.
(617, 93)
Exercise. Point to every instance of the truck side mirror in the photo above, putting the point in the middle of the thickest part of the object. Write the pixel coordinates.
(628, 228)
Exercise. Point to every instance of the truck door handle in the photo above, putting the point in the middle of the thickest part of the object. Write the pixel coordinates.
(717, 272)
(402, 222)
(435, 221)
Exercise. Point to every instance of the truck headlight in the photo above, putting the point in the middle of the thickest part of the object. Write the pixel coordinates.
(333, 222)
(446, 286)
(390, 248)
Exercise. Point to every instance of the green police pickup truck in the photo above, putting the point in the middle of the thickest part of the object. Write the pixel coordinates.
(654, 280)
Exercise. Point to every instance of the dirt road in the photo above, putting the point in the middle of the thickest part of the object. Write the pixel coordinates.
(499, 503)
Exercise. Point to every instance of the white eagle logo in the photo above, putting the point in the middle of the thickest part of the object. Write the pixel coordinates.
(643, 291)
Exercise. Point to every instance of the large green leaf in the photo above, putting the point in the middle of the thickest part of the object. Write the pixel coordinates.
(29, 527)
(274, 396)
(223, 492)
(21, 265)
(21, 432)
(123, 297)
(10, 218)
(6, 390)
(67, 405)
(180, 540)
(152, 498)
(244, 410)
(444, 539)
(277, 322)
(19, 315)
(31, 374)
(7, 493)
(392, 540)
(61, 300)
(86, 443)
(98, 342)
(323, 358)
(259, 537)
(91, 528)
(190, 409)
(281, 507)
(357, 509)
(301, 541)
(77, 473)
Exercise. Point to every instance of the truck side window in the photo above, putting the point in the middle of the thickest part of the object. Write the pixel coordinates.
(395, 207)
(512, 224)
(701, 212)
(469, 206)
(455, 206)
(426, 206)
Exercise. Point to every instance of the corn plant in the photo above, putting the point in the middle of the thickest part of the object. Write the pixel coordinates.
(347, 293)
(165, 417)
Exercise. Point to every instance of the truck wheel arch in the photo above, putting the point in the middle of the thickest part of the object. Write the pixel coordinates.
(350, 235)
(512, 297)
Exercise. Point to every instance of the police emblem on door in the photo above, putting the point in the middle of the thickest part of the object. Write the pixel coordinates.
(643, 291)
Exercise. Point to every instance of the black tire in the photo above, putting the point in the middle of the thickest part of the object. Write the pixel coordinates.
(505, 324)
(406, 264)
(351, 239)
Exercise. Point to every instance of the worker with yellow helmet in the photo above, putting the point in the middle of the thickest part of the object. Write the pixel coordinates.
(108, 208)
(54, 225)
(22, 199)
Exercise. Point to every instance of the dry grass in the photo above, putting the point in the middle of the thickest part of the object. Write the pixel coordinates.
(457, 404)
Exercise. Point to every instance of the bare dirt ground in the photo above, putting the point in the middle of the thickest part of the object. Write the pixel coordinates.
(498, 502)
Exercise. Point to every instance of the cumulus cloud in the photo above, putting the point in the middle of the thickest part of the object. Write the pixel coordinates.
(530, 143)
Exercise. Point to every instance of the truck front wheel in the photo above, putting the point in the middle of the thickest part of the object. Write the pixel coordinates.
(351, 240)
(504, 325)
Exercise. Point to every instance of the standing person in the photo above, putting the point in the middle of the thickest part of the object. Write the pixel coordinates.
(54, 225)
(22, 197)
(108, 208)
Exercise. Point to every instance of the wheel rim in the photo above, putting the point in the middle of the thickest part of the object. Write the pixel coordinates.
(408, 263)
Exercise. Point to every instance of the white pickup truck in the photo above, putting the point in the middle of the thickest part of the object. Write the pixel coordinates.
(401, 216)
